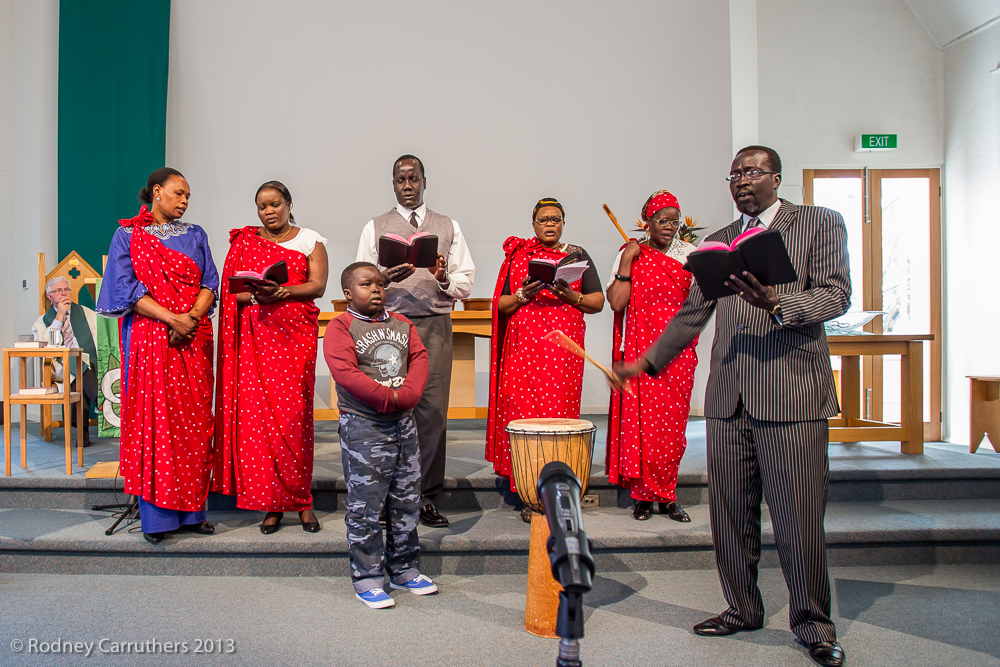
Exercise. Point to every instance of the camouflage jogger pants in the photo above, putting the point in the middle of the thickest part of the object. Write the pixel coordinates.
(381, 463)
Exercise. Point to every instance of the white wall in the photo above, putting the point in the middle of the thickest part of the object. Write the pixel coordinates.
(831, 71)
(28, 154)
(6, 170)
(972, 231)
(504, 102)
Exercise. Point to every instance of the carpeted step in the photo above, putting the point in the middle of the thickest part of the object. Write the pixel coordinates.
(492, 541)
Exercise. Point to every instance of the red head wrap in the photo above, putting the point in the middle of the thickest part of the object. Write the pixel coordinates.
(662, 200)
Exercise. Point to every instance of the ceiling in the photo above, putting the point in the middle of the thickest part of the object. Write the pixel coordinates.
(946, 21)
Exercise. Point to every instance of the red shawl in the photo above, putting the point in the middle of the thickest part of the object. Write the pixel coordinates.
(166, 453)
(644, 453)
(530, 377)
(267, 375)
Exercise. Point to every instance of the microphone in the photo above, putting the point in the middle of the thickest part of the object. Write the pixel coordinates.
(569, 548)
(569, 553)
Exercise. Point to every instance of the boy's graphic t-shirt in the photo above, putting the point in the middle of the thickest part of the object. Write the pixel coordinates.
(372, 358)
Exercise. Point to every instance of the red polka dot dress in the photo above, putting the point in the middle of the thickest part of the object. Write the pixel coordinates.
(531, 377)
(646, 431)
(267, 377)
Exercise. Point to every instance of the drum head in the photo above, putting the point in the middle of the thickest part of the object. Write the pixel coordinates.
(549, 425)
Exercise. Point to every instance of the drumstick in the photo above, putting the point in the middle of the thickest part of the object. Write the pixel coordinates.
(615, 220)
(567, 343)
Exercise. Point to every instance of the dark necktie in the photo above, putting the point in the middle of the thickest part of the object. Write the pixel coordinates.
(753, 222)
(413, 219)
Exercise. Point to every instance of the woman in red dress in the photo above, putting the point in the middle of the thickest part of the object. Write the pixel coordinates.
(531, 377)
(267, 366)
(161, 281)
(648, 288)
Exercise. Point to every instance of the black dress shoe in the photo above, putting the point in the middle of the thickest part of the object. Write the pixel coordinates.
(309, 526)
(827, 654)
(675, 512)
(271, 523)
(643, 510)
(429, 516)
(153, 538)
(203, 528)
(716, 627)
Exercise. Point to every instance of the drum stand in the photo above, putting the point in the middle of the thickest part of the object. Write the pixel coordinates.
(541, 608)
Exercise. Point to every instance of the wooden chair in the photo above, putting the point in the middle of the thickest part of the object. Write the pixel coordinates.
(80, 275)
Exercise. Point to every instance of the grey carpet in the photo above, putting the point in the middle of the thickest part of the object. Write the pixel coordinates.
(928, 616)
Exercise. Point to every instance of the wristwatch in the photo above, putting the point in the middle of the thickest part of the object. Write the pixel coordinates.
(253, 300)
(624, 279)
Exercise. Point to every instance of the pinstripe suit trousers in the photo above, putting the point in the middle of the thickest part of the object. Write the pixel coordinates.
(787, 464)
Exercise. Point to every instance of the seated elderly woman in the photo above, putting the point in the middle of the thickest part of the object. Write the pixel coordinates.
(77, 327)
(530, 377)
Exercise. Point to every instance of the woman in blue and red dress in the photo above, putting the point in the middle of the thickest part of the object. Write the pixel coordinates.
(647, 289)
(161, 280)
(267, 366)
(531, 377)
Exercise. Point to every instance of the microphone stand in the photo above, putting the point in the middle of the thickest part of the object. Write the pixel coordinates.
(569, 626)
(569, 553)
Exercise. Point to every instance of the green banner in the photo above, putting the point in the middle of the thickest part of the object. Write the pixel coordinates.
(109, 373)
(113, 58)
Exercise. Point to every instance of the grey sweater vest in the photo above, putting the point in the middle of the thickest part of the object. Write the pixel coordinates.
(419, 295)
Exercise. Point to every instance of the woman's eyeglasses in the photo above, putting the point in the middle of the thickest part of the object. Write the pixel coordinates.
(672, 224)
(548, 222)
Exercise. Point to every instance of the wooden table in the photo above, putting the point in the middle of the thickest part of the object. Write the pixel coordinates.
(67, 398)
(851, 426)
(984, 411)
(467, 325)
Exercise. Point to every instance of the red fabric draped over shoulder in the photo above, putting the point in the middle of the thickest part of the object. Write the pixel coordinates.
(644, 451)
(267, 378)
(166, 452)
(530, 377)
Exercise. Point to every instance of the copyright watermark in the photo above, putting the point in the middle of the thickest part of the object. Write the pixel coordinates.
(108, 646)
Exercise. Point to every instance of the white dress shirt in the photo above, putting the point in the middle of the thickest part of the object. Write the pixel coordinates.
(766, 216)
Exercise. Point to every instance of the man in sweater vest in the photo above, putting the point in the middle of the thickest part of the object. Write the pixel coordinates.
(426, 297)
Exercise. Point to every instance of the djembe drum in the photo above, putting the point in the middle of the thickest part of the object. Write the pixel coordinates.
(533, 443)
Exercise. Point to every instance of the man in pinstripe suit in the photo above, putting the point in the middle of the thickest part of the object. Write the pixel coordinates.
(769, 395)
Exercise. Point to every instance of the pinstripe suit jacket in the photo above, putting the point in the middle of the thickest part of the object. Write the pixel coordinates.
(781, 371)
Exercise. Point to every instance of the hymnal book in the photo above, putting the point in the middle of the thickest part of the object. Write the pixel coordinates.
(420, 250)
(550, 270)
(37, 391)
(30, 343)
(241, 280)
(759, 251)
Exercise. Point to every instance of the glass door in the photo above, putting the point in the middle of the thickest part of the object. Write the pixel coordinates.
(893, 222)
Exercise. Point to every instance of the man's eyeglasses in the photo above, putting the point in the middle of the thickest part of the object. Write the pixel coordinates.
(750, 174)
(548, 222)
(60, 290)
(672, 224)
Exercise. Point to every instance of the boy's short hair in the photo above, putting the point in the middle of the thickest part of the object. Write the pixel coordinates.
(345, 277)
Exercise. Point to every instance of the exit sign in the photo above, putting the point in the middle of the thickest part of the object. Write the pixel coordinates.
(874, 142)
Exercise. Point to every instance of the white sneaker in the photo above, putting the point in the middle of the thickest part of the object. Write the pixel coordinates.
(376, 598)
(419, 585)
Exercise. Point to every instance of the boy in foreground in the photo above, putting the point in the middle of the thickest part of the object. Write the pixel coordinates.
(380, 367)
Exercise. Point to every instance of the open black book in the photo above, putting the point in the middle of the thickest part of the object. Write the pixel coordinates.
(241, 280)
(420, 250)
(549, 270)
(759, 251)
